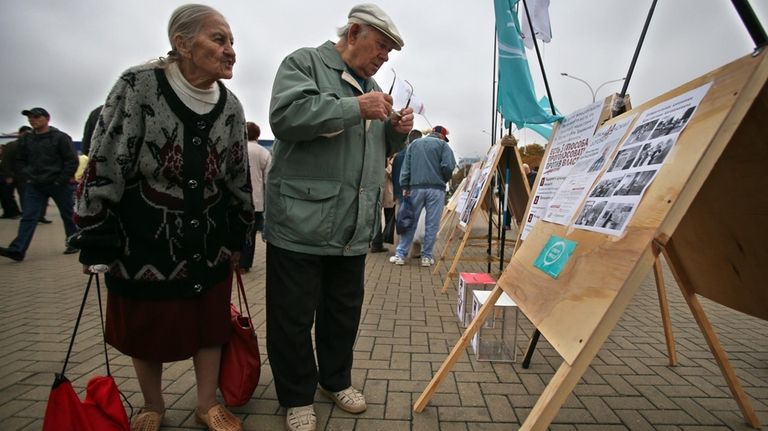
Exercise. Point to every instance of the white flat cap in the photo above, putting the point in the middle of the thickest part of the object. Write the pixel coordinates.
(369, 13)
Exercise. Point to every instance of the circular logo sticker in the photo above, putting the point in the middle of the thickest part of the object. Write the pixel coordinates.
(554, 253)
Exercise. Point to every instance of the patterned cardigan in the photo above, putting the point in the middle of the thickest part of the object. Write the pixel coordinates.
(166, 197)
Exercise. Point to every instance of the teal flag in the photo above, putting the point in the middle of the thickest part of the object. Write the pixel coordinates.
(516, 99)
(544, 130)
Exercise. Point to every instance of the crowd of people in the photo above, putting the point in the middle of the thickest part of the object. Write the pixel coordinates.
(173, 186)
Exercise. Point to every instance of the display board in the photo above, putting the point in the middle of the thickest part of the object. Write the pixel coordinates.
(501, 158)
(705, 210)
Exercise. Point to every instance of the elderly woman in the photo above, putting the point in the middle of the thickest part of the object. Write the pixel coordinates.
(166, 204)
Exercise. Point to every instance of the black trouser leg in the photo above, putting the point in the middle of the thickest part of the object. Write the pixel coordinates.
(299, 286)
(338, 318)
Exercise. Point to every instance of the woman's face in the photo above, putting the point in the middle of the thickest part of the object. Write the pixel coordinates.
(210, 55)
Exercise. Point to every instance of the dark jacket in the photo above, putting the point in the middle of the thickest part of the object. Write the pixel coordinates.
(397, 167)
(90, 126)
(47, 158)
(9, 167)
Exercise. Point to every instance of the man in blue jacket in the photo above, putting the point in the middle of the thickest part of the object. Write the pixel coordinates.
(428, 165)
(48, 161)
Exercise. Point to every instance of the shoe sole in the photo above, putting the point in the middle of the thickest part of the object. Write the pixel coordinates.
(342, 406)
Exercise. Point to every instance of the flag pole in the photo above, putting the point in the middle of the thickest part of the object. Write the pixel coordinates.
(538, 55)
(619, 107)
(493, 87)
(748, 17)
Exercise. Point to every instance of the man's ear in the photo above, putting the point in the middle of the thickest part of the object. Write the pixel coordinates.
(354, 33)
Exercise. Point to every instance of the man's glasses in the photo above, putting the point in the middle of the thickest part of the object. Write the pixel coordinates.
(392, 87)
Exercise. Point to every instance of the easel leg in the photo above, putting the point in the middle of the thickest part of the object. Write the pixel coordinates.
(446, 247)
(455, 264)
(709, 335)
(531, 348)
(462, 344)
(664, 307)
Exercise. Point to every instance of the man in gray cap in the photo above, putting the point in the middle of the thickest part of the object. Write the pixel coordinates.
(334, 128)
(48, 162)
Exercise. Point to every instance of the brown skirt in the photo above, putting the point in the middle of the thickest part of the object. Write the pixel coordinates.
(169, 330)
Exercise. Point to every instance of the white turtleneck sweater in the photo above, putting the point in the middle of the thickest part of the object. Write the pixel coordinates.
(198, 100)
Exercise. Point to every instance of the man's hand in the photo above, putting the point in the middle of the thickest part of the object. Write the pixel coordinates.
(403, 123)
(375, 105)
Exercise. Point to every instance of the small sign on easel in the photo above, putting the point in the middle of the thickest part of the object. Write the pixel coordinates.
(554, 255)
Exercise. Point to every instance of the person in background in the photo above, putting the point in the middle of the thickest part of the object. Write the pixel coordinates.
(170, 216)
(90, 126)
(47, 160)
(10, 177)
(334, 128)
(428, 165)
(530, 175)
(259, 159)
(386, 232)
(397, 165)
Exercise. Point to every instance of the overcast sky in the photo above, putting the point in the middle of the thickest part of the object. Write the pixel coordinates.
(66, 55)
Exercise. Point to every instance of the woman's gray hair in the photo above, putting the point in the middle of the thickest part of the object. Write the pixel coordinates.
(186, 21)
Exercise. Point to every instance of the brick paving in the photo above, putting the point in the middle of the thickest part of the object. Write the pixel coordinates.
(407, 330)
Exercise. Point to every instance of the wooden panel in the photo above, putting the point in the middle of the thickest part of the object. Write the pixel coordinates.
(723, 237)
(519, 192)
(568, 310)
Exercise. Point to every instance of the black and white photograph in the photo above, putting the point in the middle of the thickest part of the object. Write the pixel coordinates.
(591, 212)
(624, 159)
(633, 184)
(605, 187)
(615, 215)
(653, 153)
(641, 132)
(672, 124)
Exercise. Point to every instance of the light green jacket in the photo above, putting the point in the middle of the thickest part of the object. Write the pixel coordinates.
(323, 189)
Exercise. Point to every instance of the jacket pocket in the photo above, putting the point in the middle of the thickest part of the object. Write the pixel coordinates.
(308, 209)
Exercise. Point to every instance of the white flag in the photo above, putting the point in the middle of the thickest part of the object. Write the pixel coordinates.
(539, 11)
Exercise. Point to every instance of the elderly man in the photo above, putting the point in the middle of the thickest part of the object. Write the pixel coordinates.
(48, 161)
(333, 127)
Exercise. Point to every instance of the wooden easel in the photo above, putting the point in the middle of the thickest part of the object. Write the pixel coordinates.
(681, 216)
(505, 158)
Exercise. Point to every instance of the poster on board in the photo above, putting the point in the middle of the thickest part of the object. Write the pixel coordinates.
(574, 188)
(569, 143)
(614, 198)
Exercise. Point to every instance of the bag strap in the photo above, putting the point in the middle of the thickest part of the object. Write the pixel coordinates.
(95, 270)
(241, 295)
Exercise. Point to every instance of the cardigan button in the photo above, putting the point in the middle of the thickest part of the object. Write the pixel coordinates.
(196, 140)
(196, 257)
(192, 184)
(202, 125)
(197, 288)
(194, 223)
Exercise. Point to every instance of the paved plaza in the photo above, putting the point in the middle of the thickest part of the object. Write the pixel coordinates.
(407, 329)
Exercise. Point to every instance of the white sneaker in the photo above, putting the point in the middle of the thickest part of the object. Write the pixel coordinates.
(397, 260)
(427, 261)
(301, 418)
(350, 400)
